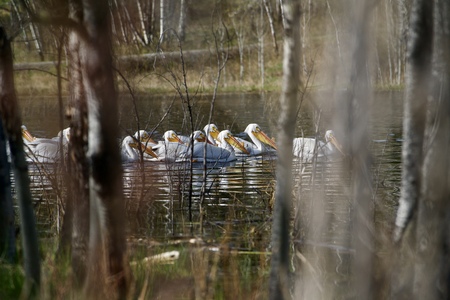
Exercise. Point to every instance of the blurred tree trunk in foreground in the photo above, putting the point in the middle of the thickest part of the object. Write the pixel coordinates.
(426, 162)
(279, 285)
(7, 232)
(433, 219)
(356, 122)
(12, 123)
(107, 243)
(78, 197)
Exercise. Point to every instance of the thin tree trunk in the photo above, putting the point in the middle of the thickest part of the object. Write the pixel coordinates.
(107, 221)
(401, 38)
(7, 232)
(162, 20)
(12, 122)
(358, 120)
(417, 83)
(432, 263)
(279, 268)
(77, 207)
(418, 72)
(182, 21)
(268, 9)
(141, 21)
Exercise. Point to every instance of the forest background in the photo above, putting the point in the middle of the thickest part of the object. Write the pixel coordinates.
(248, 33)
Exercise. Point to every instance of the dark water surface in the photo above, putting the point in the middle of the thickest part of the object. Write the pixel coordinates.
(239, 196)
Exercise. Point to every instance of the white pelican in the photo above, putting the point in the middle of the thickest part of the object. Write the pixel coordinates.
(222, 153)
(32, 141)
(261, 142)
(212, 132)
(131, 144)
(44, 150)
(171, 148)
(307, 148)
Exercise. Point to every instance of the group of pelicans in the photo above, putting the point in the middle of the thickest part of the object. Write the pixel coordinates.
(210, 144)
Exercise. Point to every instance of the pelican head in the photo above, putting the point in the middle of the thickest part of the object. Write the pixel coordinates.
(144, 137)
(172, 137)
(199, 136)
(225, 136)
(135, 144)
(331, 138)
(212, 129)
(27, 135)
(255, 130)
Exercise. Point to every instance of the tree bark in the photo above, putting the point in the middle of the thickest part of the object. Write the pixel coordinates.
(107, 226)
(182, 21)
(432, 263)
(279, 268)
(358, 133)
(7, 232)
(417, 83)
(12, 122)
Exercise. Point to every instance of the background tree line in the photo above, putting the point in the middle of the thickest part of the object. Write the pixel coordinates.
(253, 29)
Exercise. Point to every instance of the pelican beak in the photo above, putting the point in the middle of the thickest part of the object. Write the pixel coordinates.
(145, 149)
(175, 138)
(148, 140)
(233, 142)
(214, 132)
(260, 135)
(27, 135)
(149, 151)
(338, 146)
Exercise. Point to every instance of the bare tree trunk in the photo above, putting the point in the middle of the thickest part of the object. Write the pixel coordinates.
(432, 263)
(279, 272)
(358, 133)
(162, 19)
(417, 83)
(77, 207)
(7, 232)
(268, 9)
(261, 33)
(12, 122)
(401, 38)
(107, 226)
(182, 20)
(142, 22)
(418, 72)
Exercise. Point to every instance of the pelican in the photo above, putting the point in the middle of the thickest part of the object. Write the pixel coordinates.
(222, 153)
(171, 148)
(44, 150)
(32, 141)
(131, 144)
(212, 132)
(261, 142)
(307, 148)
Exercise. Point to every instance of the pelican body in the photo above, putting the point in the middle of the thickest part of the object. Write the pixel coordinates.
(221, 153)
(308, 148)
(44, 150)
(262, 144)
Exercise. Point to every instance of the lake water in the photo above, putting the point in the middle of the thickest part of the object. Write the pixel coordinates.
(238, 203)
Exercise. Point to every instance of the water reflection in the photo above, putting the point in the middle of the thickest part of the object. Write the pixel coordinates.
(237, 196)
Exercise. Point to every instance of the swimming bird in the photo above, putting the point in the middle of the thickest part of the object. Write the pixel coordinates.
(130, 146)
(223, 152)
(308, 148)
(44, 150)
(261, 142)
(212, 132)
(171, 148)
